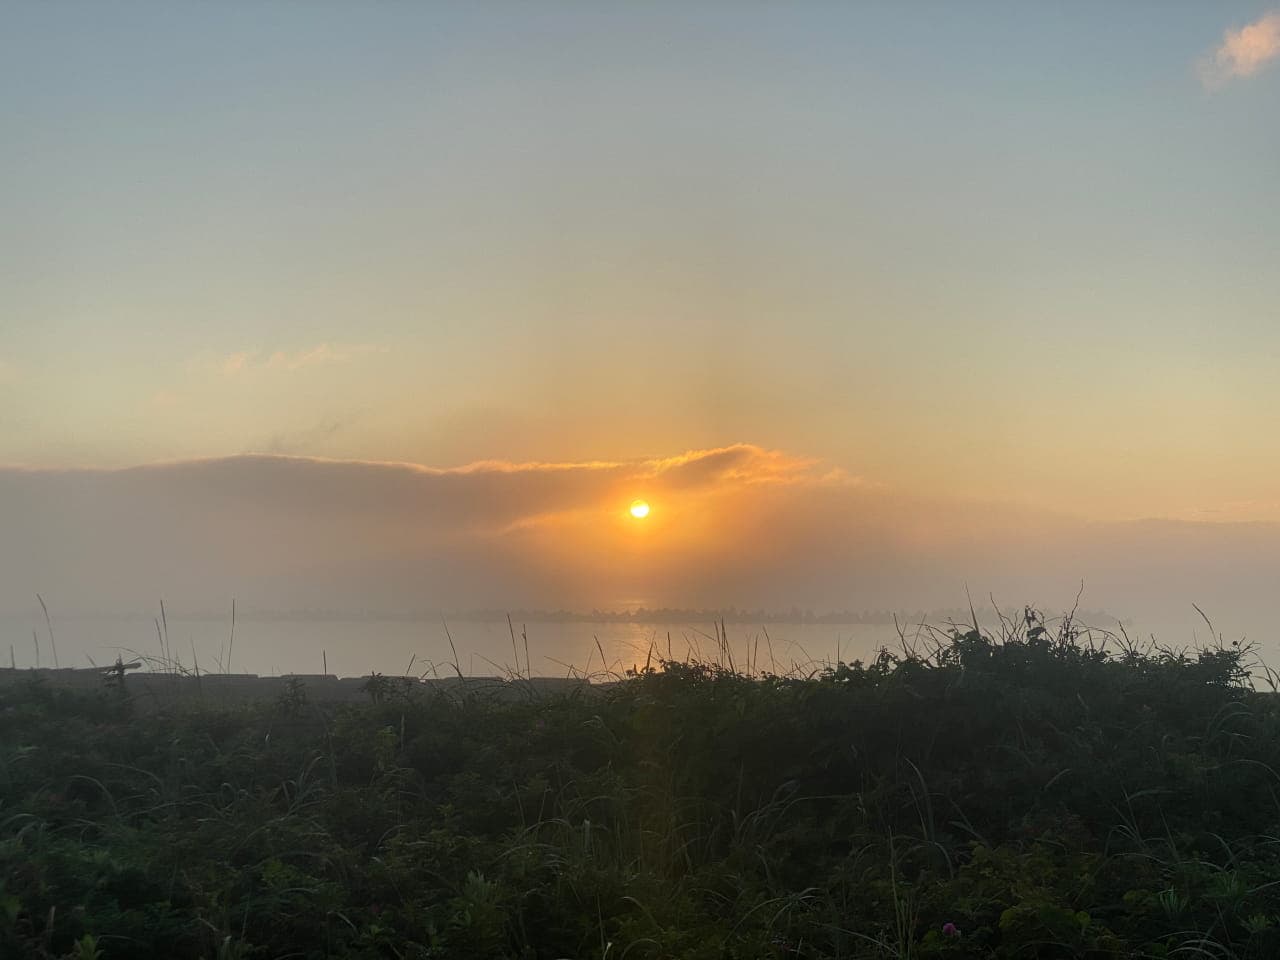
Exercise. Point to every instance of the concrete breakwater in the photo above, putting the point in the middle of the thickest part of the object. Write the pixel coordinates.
(216, 689)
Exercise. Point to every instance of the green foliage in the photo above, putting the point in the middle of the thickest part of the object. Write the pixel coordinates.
(376, 687)
(293, 698)
(1032, 796)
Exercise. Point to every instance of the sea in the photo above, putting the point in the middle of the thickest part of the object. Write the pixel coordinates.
(358, 646)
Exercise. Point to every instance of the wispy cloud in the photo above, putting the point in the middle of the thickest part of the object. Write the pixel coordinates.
(1243, 52)
(1236, 511)
(237, 364)
(739, 463)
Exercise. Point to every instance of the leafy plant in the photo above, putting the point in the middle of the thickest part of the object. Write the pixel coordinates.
(1035, 793)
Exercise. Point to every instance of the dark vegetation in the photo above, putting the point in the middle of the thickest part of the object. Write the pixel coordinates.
(1032, 795)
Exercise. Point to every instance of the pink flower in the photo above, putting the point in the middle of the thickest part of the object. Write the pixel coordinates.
(949, 929)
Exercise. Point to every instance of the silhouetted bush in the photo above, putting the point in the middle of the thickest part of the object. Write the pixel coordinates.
(1035, 794)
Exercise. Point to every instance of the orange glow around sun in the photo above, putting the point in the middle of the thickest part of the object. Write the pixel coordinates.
(639, 509)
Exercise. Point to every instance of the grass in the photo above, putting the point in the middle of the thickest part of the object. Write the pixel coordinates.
(1039, 793)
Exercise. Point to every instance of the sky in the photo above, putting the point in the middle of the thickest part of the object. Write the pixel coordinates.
(949, 283)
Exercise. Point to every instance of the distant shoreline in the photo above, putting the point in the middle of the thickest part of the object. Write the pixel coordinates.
(654, 617)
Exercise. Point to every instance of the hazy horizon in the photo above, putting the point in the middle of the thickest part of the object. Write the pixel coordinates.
(739, 526)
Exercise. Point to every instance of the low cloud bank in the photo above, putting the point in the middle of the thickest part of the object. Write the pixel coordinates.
(739, 525)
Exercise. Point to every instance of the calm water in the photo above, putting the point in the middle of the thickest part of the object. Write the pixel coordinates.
(357, 647)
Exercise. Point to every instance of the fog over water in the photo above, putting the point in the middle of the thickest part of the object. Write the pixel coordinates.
(355, 647)
(736, 526)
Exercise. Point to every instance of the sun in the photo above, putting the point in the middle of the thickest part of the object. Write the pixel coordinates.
(639, 509)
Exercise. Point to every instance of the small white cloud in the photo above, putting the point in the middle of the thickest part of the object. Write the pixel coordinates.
(244, 362)
(1243, 52)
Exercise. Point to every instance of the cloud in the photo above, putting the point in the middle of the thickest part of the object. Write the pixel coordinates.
(244, 362)
(741, 463)
(1243, 52)
(737, 525)
(299, 531)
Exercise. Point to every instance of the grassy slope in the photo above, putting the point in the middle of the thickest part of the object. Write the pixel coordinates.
(1047, 799)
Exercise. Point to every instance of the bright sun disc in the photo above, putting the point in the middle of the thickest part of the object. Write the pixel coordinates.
(639, 509)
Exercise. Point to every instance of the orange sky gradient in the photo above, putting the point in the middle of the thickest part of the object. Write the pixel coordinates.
(401, 306)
